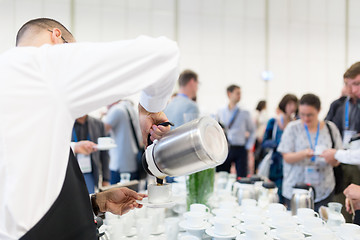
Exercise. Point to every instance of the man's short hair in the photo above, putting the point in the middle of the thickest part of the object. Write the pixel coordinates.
(285, 100)
(353, 71)
(231, 88)
(186, 76)
(311, 100)
(38, 24)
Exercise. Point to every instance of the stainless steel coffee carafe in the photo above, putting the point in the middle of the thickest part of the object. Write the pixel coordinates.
(192, 147)
(303, 197)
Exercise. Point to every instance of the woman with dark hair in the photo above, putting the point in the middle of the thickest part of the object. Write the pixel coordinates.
(287, 109)
(301, 144)
(260, 120)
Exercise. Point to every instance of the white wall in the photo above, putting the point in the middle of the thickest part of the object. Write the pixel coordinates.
(223, 40)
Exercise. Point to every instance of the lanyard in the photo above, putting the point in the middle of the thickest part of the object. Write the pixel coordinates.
(316, 139)
(75, 136)
(183, 95)
(347, 113)
(233, 117)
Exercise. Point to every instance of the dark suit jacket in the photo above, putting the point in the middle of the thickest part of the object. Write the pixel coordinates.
(99, 159)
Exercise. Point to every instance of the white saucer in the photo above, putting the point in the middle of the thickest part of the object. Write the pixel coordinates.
(241, 228)
(297, 219)
(233, 222)
(105, 147)
(302, 230)
(216, 211)
(207, 216)
(145, 202)
(160, 229)
(210, 232)
(132, 232)
(184, 224)
(243, 237)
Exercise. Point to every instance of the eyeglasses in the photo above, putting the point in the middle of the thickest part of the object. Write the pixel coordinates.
(61, 37)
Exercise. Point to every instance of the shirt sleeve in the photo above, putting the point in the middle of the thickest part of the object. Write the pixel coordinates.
(348, 156)
(90, 75)
(287, 142)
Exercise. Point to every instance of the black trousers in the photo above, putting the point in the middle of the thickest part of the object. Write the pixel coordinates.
(237, 154)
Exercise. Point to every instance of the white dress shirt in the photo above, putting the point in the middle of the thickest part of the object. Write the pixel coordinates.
(350, 156)
(43, 90)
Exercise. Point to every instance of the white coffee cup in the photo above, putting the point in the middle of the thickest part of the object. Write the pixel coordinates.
(228, 205)
(306, 212)
(254, 232)
(157, 216)
(172, 228)
(225, 213)
(222, 226)
(252, 210)
(312, 222)
(280, 215)
(105, 141)
(251, 219)
(274, 207)
(143, 228)
(349, 230)
(291, 236)
(159, 193)
(195, 219)
(284, 224)
(248, 202)
(322, 233)
(197, 207)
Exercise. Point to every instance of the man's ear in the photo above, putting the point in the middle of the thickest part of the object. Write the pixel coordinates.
(56, 36)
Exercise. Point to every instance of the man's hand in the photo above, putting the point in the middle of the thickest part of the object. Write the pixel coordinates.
(329, 156)
(355, 203)
(352, 192)
(149, 122)
(85, 147)
(105, 183)
(118, 200)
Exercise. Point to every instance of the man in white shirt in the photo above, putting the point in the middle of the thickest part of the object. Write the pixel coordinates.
(241, 134)
(350, 156)
(45, 86)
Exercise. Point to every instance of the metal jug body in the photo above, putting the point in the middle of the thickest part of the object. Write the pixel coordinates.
(192, 147)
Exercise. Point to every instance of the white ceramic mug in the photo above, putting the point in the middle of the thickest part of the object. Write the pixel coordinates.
(274, 207)
(143, 228)
(195, 219)
(322, 233)
(248, 202)
(254, 232)
(226, 213)
(228, 205)
(306, 212)
(105, 141)
(159, 193)
(253, 210)
(172, 228)
(291, 236)
(251, 219)
(312, 222)
(197, 207)
(349, 230)
(222, 226)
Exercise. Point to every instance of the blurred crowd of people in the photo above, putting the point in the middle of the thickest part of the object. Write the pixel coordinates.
(304, 148)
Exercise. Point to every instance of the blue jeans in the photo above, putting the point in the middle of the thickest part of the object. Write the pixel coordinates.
(115, 176)
(90, 182)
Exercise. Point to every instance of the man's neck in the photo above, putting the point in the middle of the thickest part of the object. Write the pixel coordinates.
(183, 92)
(231, 105)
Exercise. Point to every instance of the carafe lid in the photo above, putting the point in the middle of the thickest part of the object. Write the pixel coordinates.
(269, 185)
